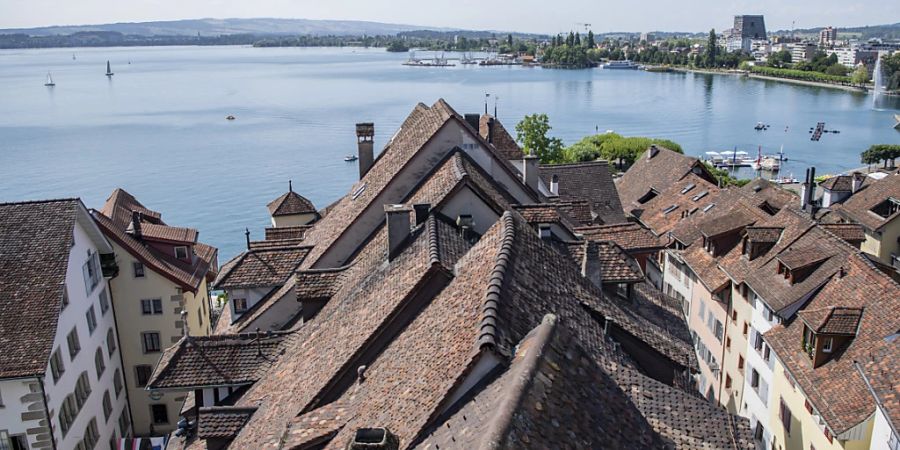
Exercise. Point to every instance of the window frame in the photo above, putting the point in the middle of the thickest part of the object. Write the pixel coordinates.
(184, 249)
(91, 316)
(153, 415)
(138, 270)
(144, 342)
(137, 374)
(111, 345)
(151, 307)
(99, 362)
(107, 406)
(104, 302)
(235, 305)
(73, 343)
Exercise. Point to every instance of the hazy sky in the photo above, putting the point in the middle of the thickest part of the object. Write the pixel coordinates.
(518, 15)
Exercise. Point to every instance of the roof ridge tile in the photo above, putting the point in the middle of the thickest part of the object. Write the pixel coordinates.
(487, 328)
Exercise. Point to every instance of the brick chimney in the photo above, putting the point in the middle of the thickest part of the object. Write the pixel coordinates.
(590, 266)
(856, 182)
(473, 121)
(398, 229)
(365, 139)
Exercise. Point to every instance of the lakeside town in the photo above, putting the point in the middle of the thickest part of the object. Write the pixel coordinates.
(466, 293)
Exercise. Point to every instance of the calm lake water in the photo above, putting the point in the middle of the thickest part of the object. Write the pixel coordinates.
(158, 127)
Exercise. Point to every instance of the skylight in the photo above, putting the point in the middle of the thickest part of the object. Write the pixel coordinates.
(699, 196)
(670, 209)
(359, 191)
(709, 207)
(688, 188)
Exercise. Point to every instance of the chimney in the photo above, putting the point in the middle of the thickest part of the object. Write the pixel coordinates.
(421, 212)
(374, 439)
(554, 185)
(804, 189)
(290, 186)
(136, 225)
(365, 140)
(530, 171)
(653, 151)
(247, 235)
(856, 181)
(472, 120)
(811, 193)
(490, 130)
(590, 266)
(398, 230)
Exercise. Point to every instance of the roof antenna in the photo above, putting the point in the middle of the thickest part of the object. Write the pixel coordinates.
(247, 235)
(290, 186)
(486, 97)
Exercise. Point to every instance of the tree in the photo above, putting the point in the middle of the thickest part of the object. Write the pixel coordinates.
(577, 39)
(532, 131)
(860, 75)
(613, 147)
(779, 59)
(509, 40)
(711, 49)
(589, 43)
(881, 152)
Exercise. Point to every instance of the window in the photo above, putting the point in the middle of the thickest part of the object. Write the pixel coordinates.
(56, 365)
(124, 422)
(117, 382)
(18, 442)
(1, 399)
(728, 343)
(740, 362)
(746, 328)
(669, 209)
(91, 272)
(240, 305)
(727, 381)
(67, 413)
(138, 269)
(702, 310)
(827, 344)
(150, 342)
(91, 435)
(159, 414)
(82, 389)
(142, 374)
(785, 415)
(151, 307)
(754, 378)
(104, 302)
(65, 300)
(74, 345)
(91, 320)
(181, 252)
(734, 316)
(99, 364)
(758, 432)
(110, 342)
(107, 406)
(893, 442)
(767, 353)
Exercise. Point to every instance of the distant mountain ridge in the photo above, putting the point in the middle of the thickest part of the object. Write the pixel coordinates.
(216, 27)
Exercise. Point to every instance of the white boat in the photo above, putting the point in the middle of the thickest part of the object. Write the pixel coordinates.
(109, 71)
(766, 163)
(351, 158)
(49, 82)
(713, 157)
(626, 64)
(736, 159)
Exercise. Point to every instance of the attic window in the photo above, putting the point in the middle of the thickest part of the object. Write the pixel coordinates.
(709, 207)
(358, 191)
(647, 197)
(699, 196)
(887, 208)
(670, 209)
(181, 252)
(688, 188)
(827, 344)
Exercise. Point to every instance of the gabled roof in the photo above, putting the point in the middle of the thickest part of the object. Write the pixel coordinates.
(836, 388)
(287, 233)
(858, 208)
(319, 283)
(736, 220)
(290, 203)
(657, 169)
(629, 235)
(853, 233)
(169, 234)
(35, 242)
(590, 181)
(495, 133)
(801, 256)
(119, 206)
(261, 267)
(545, 213)
(615, 265)
(832, 319)
(218, 360)
(839, 183)
(679, 208)
(769, 235)
(222, 422)
(881, 369)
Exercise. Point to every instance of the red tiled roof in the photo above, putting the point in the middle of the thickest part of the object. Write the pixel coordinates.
(545, 213)
(657, 170)
(504, 144)
(119, 206)
(850, 232)
(858, 207)
(881, 368)
(587, 181)
(169, 234)
(630, 236)
(839, 183)
(285, 233)
(290, 203)
(832, 319)
(222, 422)
(261, 267)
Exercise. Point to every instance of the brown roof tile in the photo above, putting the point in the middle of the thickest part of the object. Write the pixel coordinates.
(657, 170)
(763, 234)
(222, 422)
(631, 236)
(319, 283)
(119, 206)
(290, 203)
(495, 133)
(839, 183)
(286, 233)
(590, 181)
(832, 319)
(170, 234)
(35, 241)
(881, 368)
(261, 267)
(850, 232)
(858, 207)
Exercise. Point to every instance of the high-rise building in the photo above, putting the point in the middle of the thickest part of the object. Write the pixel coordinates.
(746, 29)
(827, 36)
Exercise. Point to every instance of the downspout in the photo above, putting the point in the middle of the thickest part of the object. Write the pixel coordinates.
(112, 306)
(47, 411)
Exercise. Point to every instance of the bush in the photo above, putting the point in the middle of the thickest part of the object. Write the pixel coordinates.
(803, 75)
(612, 147)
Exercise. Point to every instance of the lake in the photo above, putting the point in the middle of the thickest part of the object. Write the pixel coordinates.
(158, 129)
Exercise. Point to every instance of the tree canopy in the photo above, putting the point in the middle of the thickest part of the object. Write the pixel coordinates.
(614, 147)
(885, 153)
(531, 133)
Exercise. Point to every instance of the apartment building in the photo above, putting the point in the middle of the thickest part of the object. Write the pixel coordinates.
(61, 382)
(876, 206)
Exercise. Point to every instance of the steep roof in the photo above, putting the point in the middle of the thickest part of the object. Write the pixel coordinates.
(290, 203)
(836, 388)
(261, 267)
(657, 169)
(881, 369)
(629, 235)
(495, 133)
(119, 206)
(839, 183)
(859, 207)
(35, 241)
(222, 422)
(169, 234)
(218, 360)
(589, 181)
(679, 207)
(832, 319)
(615, 265)
(851, 232)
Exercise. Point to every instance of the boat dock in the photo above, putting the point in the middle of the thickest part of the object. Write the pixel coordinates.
(817, 134)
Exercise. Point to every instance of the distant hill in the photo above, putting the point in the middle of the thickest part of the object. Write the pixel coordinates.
(887, 31)
(218, 27)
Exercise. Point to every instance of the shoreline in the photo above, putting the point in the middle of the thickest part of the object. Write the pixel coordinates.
(861, 90)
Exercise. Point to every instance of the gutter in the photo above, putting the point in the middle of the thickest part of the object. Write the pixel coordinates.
(47, 410)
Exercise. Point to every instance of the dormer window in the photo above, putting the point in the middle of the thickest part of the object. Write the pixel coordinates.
(699, 196)
(887, 208)
(827, 344)
(647, 197)
(181, 252)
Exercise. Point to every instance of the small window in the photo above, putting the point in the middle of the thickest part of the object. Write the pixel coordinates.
(151, 306)
(240, 305)
(150, 342)
(82, 389)
(107, 406)
(670, 209)
(117, 382)
(142, 374)
(358, 191)
(728, 343)
(124, 423)
(181, 252)
(758, 432)
(159, 414)
(734, 316)
(727, 381)
(740, 362)
(91, 320)
(56, 365)
(74, 345)
(65, 299)
(688, 188)
(784, 413)
(99, 363)
(104, 302)
(754, 378)
(138, 269)
(746, 328)
(827, 344)
(110, 342)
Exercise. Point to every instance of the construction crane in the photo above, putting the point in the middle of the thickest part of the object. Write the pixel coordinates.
(586, 26)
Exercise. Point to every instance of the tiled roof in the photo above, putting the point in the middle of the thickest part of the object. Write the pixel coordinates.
(679, 208)
(800, 256)
(835, 388)
(763, 234)
(115, 219)
(858, 207)
(553, 395)
(319, 283)
(832, 319)
(881, 367)
(706, 267)
(167, 233)
(615, 265)
(736, 220)
(656, 172)
(578, 210)
(217, 360)
(771, 193)
(222, 422)
(500, 138)
(318, 425)
(840, 183)
(850, 232)
(545, 213)
(589, 181)
(286, 233)
(35, 241)
(290, 203)
(261, 267)
(630, 236)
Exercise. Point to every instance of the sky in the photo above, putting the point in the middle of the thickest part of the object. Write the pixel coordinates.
(539, 16)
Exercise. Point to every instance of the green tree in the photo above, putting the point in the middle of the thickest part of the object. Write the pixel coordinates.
(614, 147)
(885, 153)
(532, 131)
(779, 59)
(712, 49)
(589, 43)
(860, 75)
(509, 40)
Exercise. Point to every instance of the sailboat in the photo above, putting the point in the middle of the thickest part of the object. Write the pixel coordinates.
(109, 71)
(49, 82)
